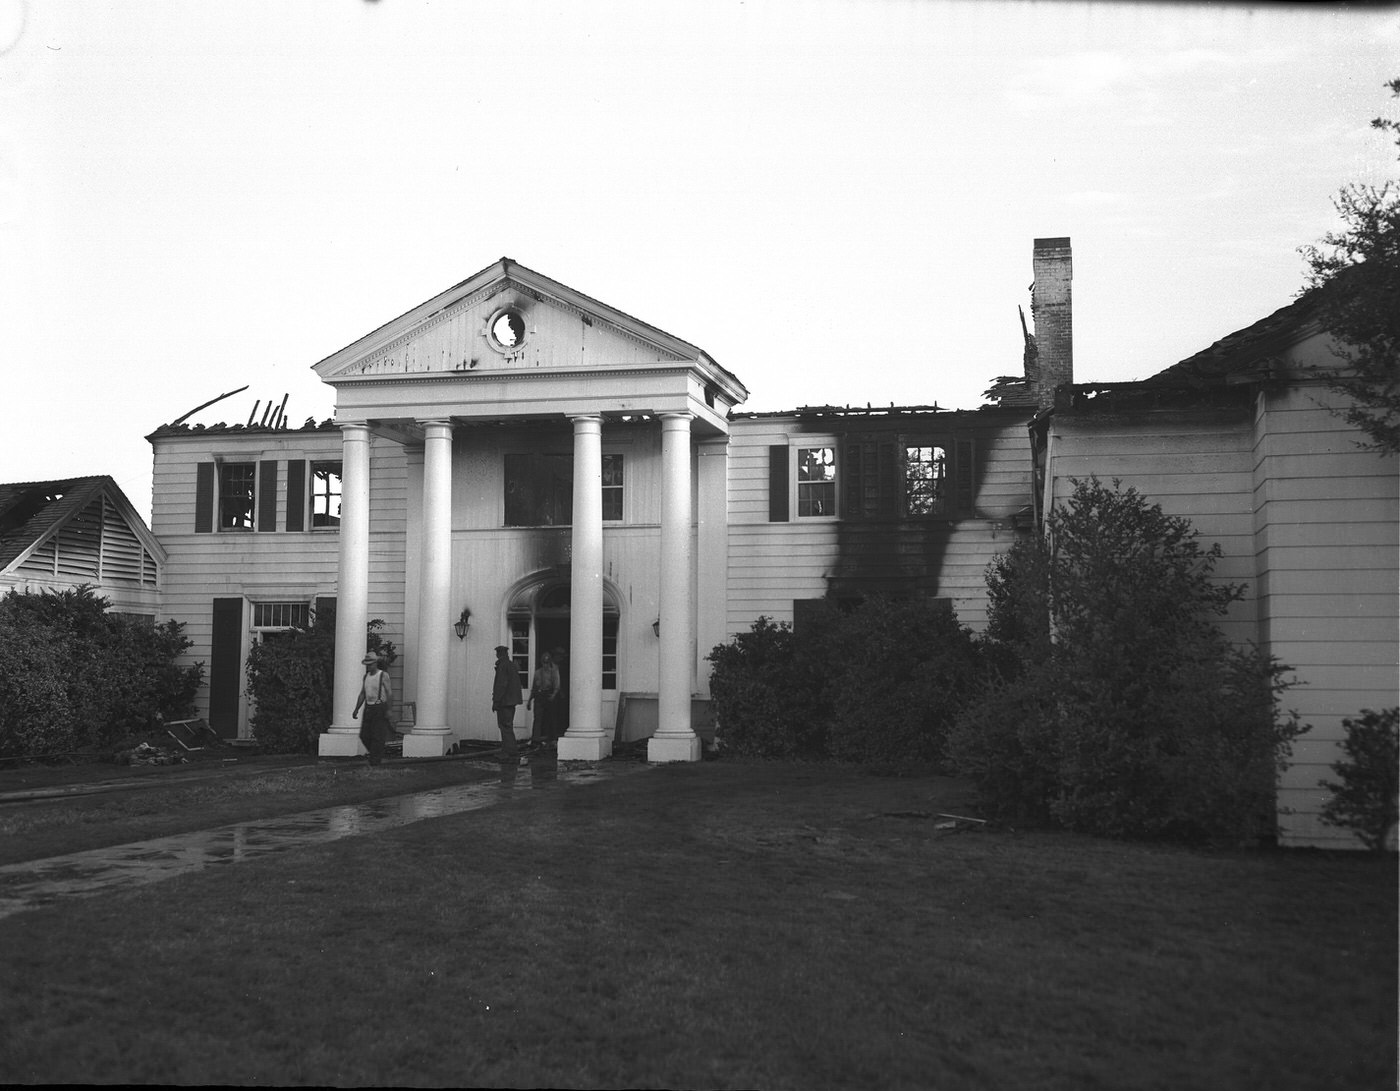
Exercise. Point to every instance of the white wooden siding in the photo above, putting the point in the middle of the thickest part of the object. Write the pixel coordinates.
(1326, 513)
(1196, 466)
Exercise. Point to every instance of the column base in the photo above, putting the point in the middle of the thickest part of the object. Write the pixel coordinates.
(583, 748)
(419, 745)
(679, 749)
(339, 744)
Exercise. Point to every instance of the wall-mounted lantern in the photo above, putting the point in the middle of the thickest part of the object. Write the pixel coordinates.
(463, 623)
(656, 628)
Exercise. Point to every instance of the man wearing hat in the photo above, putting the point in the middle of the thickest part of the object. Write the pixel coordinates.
(505, 695)
(376, 691)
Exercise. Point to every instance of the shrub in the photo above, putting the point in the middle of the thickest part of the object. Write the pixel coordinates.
(758, 699)
(898, 675)
(1365, 799)
(291, 682)
(81, 677)
(876, 684)
(1139, 719)
(1004, 742)
(1018, 602)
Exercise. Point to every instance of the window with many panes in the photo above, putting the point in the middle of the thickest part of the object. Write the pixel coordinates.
(612, 487)
(816, 481)
(520, 649)
(610, 651)
(325, 494)
(237, 492)
(925, 481)
(281, 615)
(273, 621)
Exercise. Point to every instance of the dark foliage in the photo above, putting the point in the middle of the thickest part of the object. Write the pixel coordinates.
(79, 677)
(878, 684)
(763, 698)
(1139, 719)
(1365, 798)
(1355, 274)
(1018, 603)
(291, 682)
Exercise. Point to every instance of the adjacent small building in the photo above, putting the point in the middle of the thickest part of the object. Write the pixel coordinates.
(63, 534)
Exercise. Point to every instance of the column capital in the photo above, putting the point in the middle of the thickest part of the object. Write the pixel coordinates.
(354, 430)
(434, 424)
(674, 415)
(587, 418)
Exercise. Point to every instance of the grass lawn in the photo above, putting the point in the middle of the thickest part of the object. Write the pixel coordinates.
(720, 925)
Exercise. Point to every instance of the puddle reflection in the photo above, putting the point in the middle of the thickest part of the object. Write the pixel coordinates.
(82, 874)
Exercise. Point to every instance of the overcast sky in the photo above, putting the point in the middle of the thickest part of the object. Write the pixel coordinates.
(835, 199)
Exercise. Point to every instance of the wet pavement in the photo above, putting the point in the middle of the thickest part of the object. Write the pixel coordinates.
(37, 883)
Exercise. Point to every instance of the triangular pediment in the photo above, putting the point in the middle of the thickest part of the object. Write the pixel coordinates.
(506, 317)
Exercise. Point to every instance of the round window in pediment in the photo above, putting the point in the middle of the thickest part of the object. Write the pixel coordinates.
(507, 329)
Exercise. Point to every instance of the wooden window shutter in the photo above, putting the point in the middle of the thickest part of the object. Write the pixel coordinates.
(296, 494)
(325, 602)
(267, 495)
(778, 504)
(872, 470)
(964, 477)
(204, 498)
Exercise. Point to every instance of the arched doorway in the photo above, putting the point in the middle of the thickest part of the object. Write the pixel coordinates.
(538, 619)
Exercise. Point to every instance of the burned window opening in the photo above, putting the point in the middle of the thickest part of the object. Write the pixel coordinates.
(816, 481)
(508, 329)
(925, 481)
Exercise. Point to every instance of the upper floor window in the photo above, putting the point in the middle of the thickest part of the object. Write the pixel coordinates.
(925, 481)
(816, 481)
(539, 489)
(237, 492)
(879, 477)
(325, 494)
(612, 487)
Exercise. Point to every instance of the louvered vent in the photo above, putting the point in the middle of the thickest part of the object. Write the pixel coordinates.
(122, 555)
(41, 561)
(79, 544)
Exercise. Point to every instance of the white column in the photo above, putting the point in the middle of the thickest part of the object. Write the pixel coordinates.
(431, 735)
(675, 739)
(352, 593)
(586, 739)
(711, 554)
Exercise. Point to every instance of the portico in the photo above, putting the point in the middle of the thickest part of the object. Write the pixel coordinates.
(509, 353)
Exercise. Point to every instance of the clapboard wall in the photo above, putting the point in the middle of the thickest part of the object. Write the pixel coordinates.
(1326, 513)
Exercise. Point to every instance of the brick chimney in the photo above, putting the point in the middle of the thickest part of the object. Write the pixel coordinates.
(1052, 354)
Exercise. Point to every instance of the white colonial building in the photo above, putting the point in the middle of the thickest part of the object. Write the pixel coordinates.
(514, 463)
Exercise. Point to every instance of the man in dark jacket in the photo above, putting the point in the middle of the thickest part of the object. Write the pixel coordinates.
(505, 695)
